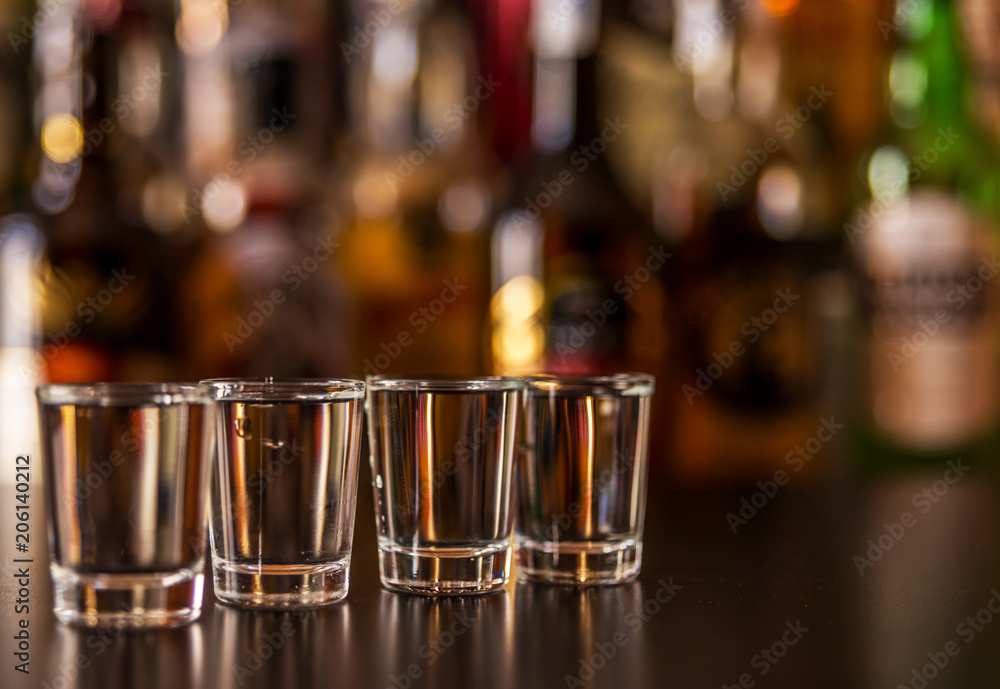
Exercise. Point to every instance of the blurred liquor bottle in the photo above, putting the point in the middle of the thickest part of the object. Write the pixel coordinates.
(744, 193)
(926, 243)
(106, 115)
(816, 33)
(415, 254)
(503, 44)
(577, 273)
(980, 25)
(263, 295)
(22, 262)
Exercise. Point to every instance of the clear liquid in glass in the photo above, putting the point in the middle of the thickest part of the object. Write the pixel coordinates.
(581, 486)
(127, 497)
(441, 468)
(283, 501)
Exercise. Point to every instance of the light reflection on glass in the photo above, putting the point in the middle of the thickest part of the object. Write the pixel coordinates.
(390, 81)
(518, 341)
(888, 172)
(201, 25)
(779, 201)
(907, 89)
(226, 209)
(552, 120)
(62, 137)
(139, 71)
(208, 114)
(163, 199)
(463, 208)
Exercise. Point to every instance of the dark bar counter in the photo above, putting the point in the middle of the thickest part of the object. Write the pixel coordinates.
(870, 585)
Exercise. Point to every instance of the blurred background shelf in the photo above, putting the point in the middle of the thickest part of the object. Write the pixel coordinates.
(786, 210)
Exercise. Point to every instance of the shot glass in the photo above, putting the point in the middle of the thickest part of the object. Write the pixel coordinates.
(581, 478)
(285, 489)
(126, 480)
(441, 458)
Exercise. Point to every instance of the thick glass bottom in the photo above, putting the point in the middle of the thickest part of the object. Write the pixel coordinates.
(280, 586)
(444, 570)
(128, 601)
(580, 563)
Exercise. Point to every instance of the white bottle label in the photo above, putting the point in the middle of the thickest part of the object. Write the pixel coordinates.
(933, 270)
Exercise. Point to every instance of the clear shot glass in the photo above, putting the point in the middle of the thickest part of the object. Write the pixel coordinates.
(285, 489)
(441, 458)
(581, 478)
(126, 480)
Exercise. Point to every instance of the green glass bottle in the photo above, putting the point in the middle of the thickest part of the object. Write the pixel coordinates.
(925, 239)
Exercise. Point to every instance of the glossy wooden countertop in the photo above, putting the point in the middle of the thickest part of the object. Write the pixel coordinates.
(781, 603)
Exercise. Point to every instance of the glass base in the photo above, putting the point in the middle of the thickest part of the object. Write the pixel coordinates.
(127, 601)
(280, 586)
(579, 563)
(444, 571)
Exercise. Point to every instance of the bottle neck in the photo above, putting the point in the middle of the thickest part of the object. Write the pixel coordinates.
(928, 75)
(565, 36)
(564, 112)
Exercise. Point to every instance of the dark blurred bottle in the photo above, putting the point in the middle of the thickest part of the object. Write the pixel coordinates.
(577, 273)
(264, 295)
(745, 193)
(420, 187)
(926, 243)
(107, 109)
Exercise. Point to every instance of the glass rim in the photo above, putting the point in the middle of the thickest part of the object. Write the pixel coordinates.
(117, 394)
(389, 383)
(618, 383)
(268, 388)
